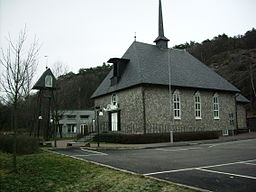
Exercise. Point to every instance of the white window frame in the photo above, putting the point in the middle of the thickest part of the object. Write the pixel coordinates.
(48, 81)
(225, 132)
(72, 128)
(114, 99)
(197, 106)
(176, 105)
(231, 119)
(216, 106)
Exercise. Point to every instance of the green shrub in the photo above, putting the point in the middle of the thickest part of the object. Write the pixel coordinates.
(25, 144)
(154, 137)
(191, 136)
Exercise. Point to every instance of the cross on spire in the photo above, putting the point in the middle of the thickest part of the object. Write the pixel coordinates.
(161, 41)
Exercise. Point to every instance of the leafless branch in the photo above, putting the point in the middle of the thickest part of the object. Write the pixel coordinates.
(18, 68)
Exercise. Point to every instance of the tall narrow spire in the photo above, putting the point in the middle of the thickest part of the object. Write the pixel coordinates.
(161, 41)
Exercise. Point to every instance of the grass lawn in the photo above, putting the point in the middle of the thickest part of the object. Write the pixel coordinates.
(46, 171)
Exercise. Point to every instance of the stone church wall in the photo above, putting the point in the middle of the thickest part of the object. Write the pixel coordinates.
(130, 106)
(159, 110)
(241, 116)
(158, 114)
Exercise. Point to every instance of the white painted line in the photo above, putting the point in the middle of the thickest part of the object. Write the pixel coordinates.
(249, 163)
(91, 151)
(171, 150)
(130, 172)
(225, 173)
(87, 155)
(229, 142)
(225, 164)
(179, 184)
(204, 146)
(93, 162)
(202, 167)
(169, 171)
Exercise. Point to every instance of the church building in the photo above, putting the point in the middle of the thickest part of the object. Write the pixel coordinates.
(156, 89)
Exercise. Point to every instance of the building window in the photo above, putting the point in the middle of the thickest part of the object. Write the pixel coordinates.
(48, 81)
(84, 129)
(71, 128)
(216, 113)
(176, 105)
(114, 99)
(71, 116)
(231, 119)
(197, 100)
(84, 116)
(225, 132)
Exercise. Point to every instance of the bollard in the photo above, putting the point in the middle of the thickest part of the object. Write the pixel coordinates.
(171, 136)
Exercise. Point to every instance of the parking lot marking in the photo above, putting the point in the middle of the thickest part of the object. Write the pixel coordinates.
(225, 164)
(169, 171)
(225, 173)
(203, 146)
(202, 167)
(172, 150)
(250, 163)
(91, 151)
(87, 155)
(228, 143)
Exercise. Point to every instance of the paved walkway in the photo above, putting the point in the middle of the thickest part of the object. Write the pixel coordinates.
(252, 135)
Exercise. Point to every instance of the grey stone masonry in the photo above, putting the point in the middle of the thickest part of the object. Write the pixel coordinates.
(150, 107)
(241, 116)
(130, 107)
(159, 110)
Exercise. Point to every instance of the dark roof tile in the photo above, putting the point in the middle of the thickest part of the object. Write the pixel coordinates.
(150, 64)
(241, 99)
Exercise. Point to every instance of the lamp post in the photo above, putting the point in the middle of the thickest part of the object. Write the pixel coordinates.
(40, 118)
(54, 130)
(98, 114)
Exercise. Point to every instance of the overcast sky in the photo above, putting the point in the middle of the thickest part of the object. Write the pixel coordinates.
(86, 33)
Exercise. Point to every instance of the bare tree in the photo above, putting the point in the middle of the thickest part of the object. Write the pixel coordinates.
(59, 69)
(19, 66)
(250, 69)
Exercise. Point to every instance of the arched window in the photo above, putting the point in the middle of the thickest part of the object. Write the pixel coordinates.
(176, 105)
(197, 104)
(216, 108)
(48, 81)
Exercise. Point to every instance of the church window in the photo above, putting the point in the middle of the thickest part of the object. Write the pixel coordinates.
(48, 81)
(197, 103)
(176, 105)
(216, 112)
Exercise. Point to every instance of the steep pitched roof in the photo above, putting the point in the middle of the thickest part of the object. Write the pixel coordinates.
(151, 65)
(241, 99)
(40, 84)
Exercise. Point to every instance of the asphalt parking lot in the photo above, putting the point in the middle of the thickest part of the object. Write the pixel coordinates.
(228, 166)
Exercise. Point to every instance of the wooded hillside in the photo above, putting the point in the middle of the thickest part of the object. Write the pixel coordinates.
(76, 89)
(234, 58)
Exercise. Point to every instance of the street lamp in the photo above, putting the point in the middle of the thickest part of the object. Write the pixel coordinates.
(98, 114)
